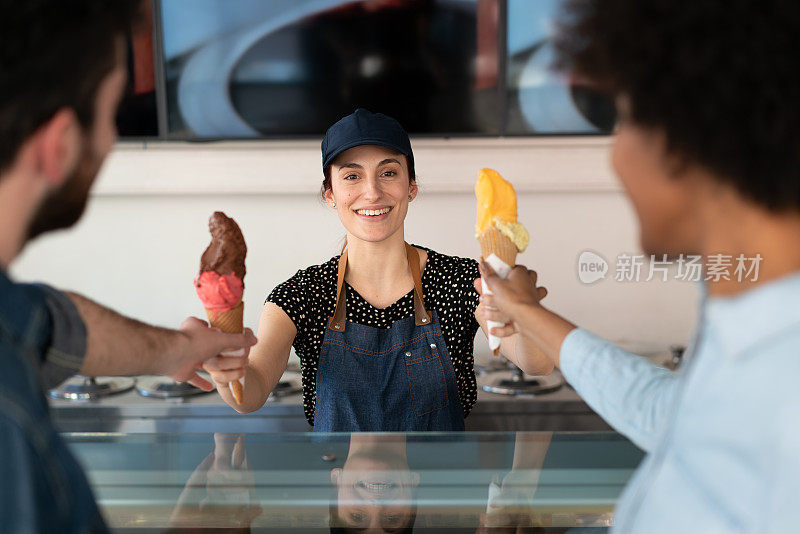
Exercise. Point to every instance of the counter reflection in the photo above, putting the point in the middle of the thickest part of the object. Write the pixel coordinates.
(221, 491)
(420, 482)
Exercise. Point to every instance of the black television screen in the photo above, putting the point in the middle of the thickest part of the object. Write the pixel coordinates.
(539, 99)
(293, 67)
(286, 68)
(137, 115)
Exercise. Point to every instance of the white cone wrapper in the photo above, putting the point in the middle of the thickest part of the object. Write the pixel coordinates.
(503, 270)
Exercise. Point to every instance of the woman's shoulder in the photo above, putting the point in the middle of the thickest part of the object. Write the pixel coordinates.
(445, 263)
(311, 278)
(318, 273)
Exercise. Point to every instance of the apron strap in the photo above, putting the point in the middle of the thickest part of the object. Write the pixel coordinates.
(421, 315)
(338, 320)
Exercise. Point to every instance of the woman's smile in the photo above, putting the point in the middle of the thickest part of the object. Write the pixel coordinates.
(376, 486)
(373, 214)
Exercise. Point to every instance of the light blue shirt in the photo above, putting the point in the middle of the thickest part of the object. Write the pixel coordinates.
(723, 433)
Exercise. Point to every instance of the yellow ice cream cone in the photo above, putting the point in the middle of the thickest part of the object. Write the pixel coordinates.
(493, 241)
(498, 231)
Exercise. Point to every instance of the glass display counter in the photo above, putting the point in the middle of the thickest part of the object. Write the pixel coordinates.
(449, 482)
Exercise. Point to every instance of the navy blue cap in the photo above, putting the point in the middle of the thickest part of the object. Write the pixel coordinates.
(363, 127)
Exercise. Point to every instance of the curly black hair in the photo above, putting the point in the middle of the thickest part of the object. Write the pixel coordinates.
(719, 78)
(53, 55)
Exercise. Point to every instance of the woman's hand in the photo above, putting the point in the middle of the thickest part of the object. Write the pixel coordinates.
(261, 367)
(224, 369)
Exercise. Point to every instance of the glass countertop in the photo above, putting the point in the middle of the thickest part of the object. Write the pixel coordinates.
(386, 482)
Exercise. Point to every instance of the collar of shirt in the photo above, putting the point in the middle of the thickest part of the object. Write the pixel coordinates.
(745, 319)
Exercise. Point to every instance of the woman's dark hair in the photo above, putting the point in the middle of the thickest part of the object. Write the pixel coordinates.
(719, 78)
(326, 182)
(337, 526)
(54, 55)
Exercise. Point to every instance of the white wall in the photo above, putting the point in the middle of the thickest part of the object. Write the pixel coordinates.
(138, 246)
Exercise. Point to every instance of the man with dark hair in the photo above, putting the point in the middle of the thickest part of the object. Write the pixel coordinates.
(61, 79)
(707, 148)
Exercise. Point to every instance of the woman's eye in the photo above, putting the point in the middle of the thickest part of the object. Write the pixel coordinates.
(351, 177)
(357, 518)
(389, 173)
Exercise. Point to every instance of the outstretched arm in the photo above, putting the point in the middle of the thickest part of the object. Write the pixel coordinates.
(632, 394)
(119, 346)
(266, 364)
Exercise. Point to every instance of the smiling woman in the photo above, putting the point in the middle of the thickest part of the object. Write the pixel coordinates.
(385, 330)
(373, 188)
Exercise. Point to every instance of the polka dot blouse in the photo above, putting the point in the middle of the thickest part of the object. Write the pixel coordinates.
(309, 297)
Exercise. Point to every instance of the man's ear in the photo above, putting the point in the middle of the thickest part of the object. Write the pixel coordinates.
(58, 146)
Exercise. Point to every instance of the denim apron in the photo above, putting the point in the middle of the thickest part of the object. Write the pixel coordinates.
(376, 379)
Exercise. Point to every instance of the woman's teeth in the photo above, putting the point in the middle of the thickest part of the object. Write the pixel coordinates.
(373, 213)
(377, 486)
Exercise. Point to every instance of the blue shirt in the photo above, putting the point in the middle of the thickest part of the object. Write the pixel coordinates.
(42, 341)
(723, 433)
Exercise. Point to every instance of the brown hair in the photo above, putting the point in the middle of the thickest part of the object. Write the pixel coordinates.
(55, 55)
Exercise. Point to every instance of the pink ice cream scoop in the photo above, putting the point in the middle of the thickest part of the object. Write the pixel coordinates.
(219, 292)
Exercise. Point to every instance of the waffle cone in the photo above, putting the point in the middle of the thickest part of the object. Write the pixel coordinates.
(493, 241)
(230, 322)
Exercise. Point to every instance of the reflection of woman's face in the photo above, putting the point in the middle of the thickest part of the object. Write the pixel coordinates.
(375, 493)
(370, 186)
